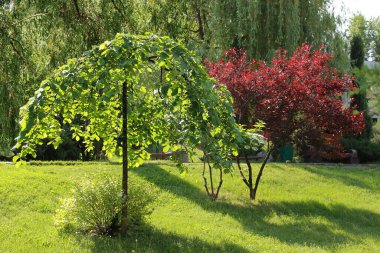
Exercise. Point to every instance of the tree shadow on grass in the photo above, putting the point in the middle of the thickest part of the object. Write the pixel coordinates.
(342, 175)
(145, 238)
(301, 222)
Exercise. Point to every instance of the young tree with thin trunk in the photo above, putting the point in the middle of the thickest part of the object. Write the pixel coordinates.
(146, 89)
(297, 97)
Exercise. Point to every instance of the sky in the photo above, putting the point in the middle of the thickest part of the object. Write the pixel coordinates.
(369, 8)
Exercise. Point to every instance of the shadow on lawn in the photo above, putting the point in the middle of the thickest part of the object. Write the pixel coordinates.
(147, 239)
(343, 175)
(301, 229)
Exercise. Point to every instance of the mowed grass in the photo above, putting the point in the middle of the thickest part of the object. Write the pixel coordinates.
(299, 209)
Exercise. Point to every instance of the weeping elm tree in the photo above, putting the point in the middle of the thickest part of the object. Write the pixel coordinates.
(143, 88)
(297, 97)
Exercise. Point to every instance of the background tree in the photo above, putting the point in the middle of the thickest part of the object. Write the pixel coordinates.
(372, 80)
(360, 101)
(369, 31)
(261, 27)
(61, 29)
(357, 52)
(58, 30)
(363, 35)
(297, 97)
(374, 38)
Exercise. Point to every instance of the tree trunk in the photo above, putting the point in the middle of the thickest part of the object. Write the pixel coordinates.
(124, 217)
(249, 173)
(252, 193)
(220, 184)
(213, 195)
(204, 175)
(211, 182)
(200, 24)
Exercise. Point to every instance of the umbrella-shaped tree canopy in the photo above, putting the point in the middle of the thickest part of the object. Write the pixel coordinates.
(170, 99)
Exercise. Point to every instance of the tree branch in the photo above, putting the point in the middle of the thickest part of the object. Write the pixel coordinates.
(261, 172)
(28, 18)
(249, 171)
(203, 174)
(75, 2)
(220, 184)
(211, 181)
(241, 171)
(118, 9)
(15, 48)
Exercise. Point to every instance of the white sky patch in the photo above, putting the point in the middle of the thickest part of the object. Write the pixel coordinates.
(369, 8)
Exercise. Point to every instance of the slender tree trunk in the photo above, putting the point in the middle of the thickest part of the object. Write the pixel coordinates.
(211, 182)
(204, 175)
(253, 191)
(124, 218)
(220, 184)
(241, 173)
(200, 24)
(248, 182)
(250, 178)
(213, 194)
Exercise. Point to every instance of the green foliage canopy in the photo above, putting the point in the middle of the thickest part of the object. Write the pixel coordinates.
(38, 36)
(171, 100)
(369, 31)
(261, 27)
(357, 52)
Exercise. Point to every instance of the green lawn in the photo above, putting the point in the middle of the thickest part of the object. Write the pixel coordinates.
(299, 209)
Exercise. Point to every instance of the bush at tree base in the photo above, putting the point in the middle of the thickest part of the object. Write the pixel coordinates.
(95, 206)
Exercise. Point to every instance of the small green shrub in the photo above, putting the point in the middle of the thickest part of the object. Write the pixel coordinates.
(367, 151)
(140, 201)
(95, 206)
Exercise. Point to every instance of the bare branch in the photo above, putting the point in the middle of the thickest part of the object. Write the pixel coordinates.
(29, 18)
(118, 9)
(203, 174)
(220, 183)
(241, 171)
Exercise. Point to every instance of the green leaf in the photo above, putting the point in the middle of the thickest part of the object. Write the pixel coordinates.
(174, 91)
(103, 46)
(19, 163)
(164, 89)
(143, 89)
(166, 149)
(15, 158)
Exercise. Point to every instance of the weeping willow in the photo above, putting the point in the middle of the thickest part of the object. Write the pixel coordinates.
(263, 26)
(37, 36)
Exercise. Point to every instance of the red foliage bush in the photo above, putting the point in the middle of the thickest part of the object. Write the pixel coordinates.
(298, 97)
